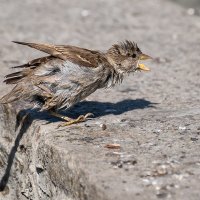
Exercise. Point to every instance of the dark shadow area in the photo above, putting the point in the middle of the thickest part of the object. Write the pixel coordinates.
(26, 117)
(26, 121)
(106, 108)
(99, 109)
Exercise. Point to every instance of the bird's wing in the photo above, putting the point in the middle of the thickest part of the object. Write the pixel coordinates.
(13, 78)
(36, 62)
(80, 56)
(76, 55)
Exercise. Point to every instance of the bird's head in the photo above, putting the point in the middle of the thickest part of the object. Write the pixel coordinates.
(125, 57)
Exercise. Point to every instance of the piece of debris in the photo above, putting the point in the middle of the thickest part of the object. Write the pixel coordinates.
(193, 139)
(113, 146)
(182, 128)
(126, 164)
(103, 127)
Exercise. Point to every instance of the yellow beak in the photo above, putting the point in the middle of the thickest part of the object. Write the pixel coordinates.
(143, 67)
(144, 57)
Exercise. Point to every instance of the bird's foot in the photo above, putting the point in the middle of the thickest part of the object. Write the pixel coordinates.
(65, 118)
(81, 118)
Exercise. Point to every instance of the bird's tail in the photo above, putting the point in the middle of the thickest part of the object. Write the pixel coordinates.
(15, 94)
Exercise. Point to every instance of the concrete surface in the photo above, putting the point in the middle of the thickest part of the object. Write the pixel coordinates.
(153, 116)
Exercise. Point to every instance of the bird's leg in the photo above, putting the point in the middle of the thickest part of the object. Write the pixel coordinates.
(55, 114)
(80, 119)
(69, 120)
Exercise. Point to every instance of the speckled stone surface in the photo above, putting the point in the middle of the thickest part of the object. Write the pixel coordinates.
(154, 117)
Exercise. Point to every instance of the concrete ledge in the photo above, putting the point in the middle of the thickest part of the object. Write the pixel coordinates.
(154, 117)
(73, 163)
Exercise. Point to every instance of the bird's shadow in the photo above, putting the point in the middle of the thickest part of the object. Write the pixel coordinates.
(99, 109)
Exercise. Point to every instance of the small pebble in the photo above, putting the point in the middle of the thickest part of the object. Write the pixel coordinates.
(85, 13)
(194, 139)
(162, 170)
(191, 11)
(146, 182)
(103, 127)
(183, 128)
(157, 131)
(87, 125)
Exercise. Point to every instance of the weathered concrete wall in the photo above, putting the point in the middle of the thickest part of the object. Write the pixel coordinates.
(153, 116)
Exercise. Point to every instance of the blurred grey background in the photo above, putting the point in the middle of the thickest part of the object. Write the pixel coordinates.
(188, 3)
(154, 116)
(192, 5)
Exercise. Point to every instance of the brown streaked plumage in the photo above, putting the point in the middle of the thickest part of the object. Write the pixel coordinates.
(69, 74)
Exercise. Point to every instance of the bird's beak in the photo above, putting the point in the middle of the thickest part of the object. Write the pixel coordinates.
(143, 67)
(144, 57)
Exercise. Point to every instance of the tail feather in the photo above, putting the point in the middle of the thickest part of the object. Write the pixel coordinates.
(36, 62)
(25, 92)
(22, 43)
(21, 66)
(13, 74)
(15, 77)
(15, 94)
(13, 80)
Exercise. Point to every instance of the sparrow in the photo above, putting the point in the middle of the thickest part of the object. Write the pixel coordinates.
(68, 74)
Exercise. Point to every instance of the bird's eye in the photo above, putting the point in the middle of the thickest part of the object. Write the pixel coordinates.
(134, 55)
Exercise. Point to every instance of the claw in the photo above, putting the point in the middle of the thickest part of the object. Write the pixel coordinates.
(80, 119)
(89, 115)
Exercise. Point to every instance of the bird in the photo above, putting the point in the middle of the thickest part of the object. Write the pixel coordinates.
(68, 74)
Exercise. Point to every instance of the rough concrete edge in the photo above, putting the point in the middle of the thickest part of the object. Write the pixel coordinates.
(75, 181)
(42, 165)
